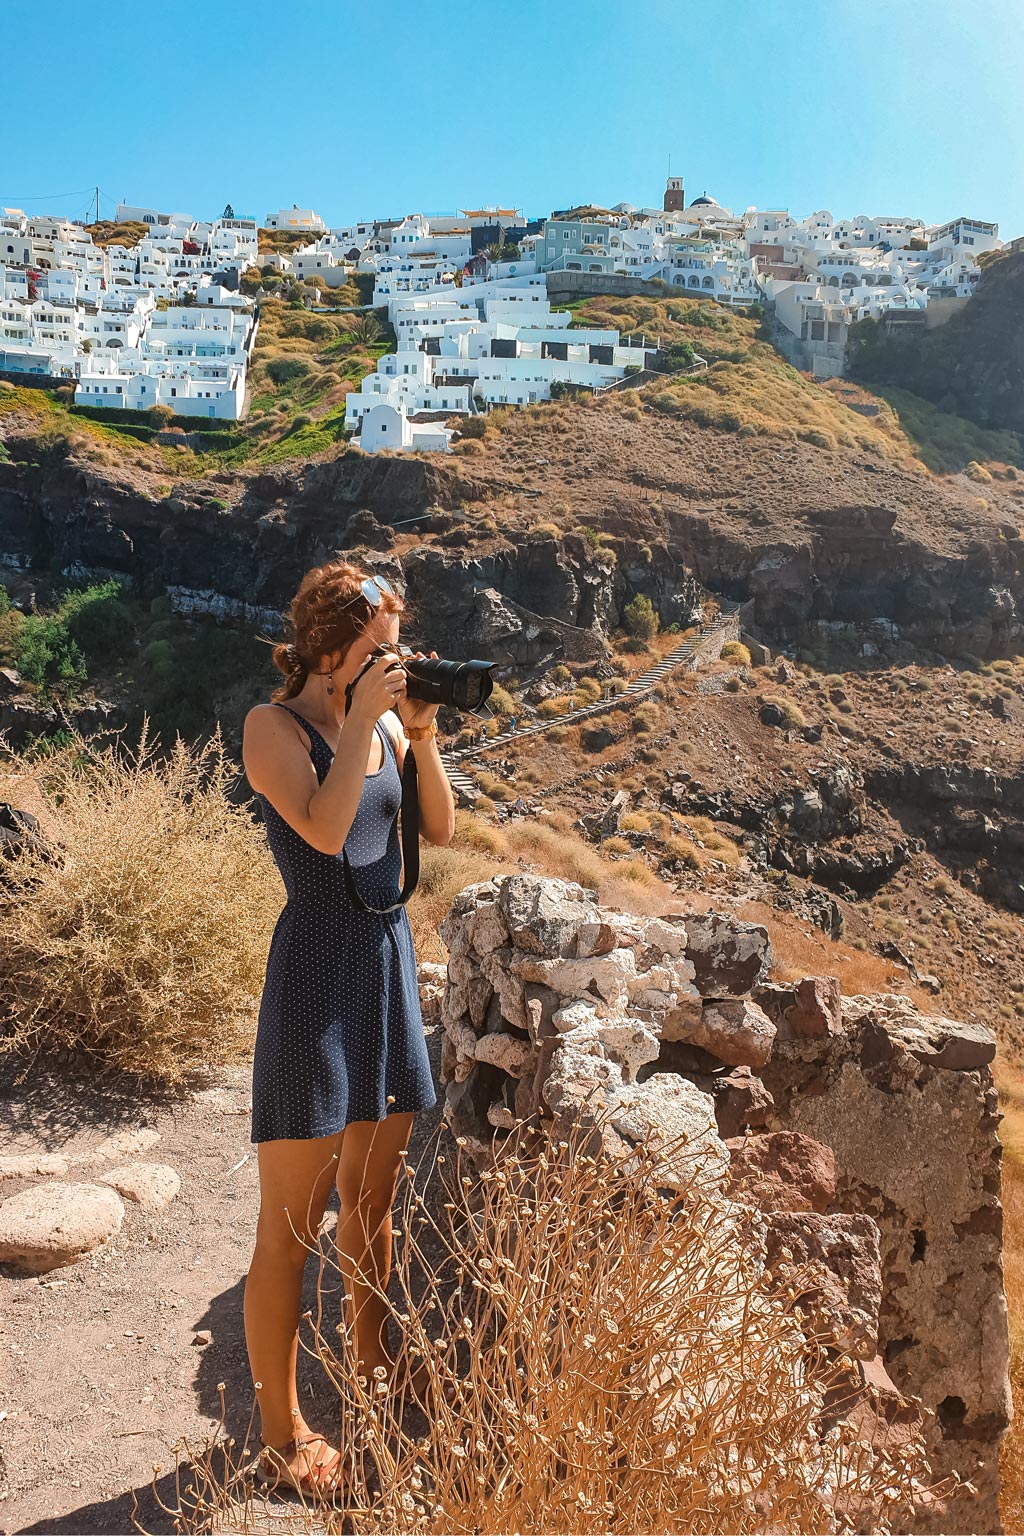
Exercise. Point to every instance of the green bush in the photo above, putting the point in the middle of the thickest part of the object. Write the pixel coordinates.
(282, 370)
(47, 655)
(100, 622)
(639, 618)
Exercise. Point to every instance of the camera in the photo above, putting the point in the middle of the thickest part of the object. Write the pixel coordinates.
(465, 685)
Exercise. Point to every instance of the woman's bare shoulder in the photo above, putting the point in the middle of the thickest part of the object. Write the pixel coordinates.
(265, 729)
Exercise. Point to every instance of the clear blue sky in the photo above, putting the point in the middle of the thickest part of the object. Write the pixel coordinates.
(872, 106)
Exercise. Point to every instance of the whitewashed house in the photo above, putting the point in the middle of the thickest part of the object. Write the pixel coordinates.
(295, 218)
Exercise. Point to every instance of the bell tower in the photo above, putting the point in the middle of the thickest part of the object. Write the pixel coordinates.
(675, 200)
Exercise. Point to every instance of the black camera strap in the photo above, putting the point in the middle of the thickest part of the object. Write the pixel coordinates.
(409, 811)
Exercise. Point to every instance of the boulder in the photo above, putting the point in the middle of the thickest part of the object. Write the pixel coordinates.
(729, 956)
(594, 738)
(669, 1114)
(20, 833)
(511, 1053)
(742, 1101)
(735, 1030)
(807, 1009)
(151, 1185)
(122, 1144)
(613, 815)
(53, 1224)
(892, 1022)
(542, 916)
(26, 1165)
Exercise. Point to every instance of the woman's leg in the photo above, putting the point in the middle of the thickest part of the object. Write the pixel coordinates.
(295, 1183)
(368, 1169)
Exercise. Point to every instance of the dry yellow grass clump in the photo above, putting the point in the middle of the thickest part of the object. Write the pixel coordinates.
(142, 942)
(597, 1355)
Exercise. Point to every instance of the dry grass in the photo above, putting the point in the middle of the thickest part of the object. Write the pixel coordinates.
(602, 1355)
(792, 715)
(444, 872)
(142, 943)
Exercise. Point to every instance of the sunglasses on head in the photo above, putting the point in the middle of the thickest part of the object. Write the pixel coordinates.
(372, 588)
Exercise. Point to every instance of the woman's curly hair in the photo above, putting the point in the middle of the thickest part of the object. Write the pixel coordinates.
(324, 618)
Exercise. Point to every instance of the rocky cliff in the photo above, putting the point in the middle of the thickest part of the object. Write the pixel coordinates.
(811, 539)
(864, 1131)
(974, 364)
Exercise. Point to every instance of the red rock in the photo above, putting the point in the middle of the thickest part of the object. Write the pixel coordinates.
(783, 1171)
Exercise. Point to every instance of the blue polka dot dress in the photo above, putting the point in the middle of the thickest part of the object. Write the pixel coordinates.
(340, 1026)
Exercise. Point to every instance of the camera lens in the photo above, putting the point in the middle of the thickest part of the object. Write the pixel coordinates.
(462, 684)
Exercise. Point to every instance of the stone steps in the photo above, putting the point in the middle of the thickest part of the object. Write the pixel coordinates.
(639, 686)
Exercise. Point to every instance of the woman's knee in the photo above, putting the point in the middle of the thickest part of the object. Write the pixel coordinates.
(282, 1240)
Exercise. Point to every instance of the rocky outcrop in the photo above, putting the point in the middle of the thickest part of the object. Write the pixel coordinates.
(969, 817)
(854, 547)
(862, 1130)
(817, 833)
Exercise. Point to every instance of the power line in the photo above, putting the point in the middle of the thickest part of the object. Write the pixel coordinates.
(49, 197)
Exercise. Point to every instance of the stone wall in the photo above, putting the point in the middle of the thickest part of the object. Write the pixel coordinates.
(864, 1130)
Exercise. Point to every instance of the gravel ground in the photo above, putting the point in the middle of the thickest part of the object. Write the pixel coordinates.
(100, 1371)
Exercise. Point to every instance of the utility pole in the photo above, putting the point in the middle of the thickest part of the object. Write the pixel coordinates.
(97, 218)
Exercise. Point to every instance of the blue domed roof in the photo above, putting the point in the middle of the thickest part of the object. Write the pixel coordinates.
(705, 202)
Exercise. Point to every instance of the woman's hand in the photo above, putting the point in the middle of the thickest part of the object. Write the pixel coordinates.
(416, 712)
(379, 688)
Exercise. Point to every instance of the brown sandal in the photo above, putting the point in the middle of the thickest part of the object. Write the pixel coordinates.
(310, 1482)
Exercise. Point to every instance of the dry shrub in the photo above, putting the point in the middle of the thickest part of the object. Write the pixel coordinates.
(792, 715)
(603, 1352)
(561, 854)
(142, 943)
(472, 831)
(715, 843)
(645, 717)
(682, 849)
(636, 821)
(494, 787)
(736, 652)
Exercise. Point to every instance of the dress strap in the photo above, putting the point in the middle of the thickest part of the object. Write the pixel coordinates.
(382, 731)
(308, 724)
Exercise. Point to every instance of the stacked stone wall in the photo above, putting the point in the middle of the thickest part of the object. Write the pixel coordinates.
(863, 1130)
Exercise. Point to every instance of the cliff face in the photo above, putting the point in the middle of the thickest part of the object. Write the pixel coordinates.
(810, 537)
(974, 364)
(946, 577)
(864, 1131)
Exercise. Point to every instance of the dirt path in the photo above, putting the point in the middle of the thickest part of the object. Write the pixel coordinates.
(100, 1371)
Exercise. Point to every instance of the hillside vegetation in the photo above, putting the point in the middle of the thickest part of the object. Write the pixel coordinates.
(304, 364)
(749, 388)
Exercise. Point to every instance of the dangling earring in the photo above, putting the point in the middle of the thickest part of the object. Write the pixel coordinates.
(330, 681)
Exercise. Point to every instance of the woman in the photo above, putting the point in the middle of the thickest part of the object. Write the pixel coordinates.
(340, 1064)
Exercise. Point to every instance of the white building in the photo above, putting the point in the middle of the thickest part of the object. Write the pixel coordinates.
(492, 343)
(295, 218)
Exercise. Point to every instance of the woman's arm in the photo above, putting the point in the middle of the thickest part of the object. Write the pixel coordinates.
(437, 808)
(278, 766)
